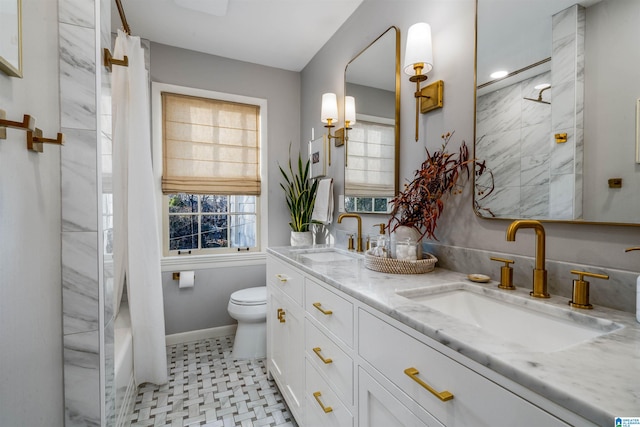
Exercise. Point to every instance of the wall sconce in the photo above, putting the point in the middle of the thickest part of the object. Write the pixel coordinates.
(329, 115)
(418, 61)
(349, 120)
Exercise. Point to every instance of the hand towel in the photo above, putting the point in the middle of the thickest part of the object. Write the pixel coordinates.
(323, 208)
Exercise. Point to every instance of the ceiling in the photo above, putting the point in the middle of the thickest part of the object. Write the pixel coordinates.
(283, 34)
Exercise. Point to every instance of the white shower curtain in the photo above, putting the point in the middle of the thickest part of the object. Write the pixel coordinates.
(136, 241)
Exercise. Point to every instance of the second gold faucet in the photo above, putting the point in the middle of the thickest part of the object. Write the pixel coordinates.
(359, 235)
(539, 272)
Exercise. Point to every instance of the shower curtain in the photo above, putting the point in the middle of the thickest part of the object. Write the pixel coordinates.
(136, 241)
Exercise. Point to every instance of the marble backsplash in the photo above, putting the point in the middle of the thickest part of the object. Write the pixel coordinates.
(619, 292)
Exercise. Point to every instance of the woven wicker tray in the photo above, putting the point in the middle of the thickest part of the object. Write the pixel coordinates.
(396, 266)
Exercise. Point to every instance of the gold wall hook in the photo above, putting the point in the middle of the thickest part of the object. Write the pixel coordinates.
(35, 140)
(27, 123)
(561, 138)
(110, 60)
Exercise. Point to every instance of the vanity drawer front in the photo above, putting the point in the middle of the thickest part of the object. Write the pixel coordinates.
(391, 352)
(332, 311)
(319, 399)
(285, 278)
(329, 359)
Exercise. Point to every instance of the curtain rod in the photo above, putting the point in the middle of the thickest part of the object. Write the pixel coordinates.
(123, 18)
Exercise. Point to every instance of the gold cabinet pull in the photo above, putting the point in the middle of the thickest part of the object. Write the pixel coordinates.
(442, 395)
(323, 311)
(326, 409)
(283, 278)
(317, 351)
(281, 315)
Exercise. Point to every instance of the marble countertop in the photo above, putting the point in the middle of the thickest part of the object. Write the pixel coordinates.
(598, 379)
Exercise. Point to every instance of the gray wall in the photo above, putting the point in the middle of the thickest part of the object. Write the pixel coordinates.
(453, 31)
(31, 392)
(205, 305)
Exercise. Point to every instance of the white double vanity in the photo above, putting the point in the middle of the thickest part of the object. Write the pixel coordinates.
(352, 347)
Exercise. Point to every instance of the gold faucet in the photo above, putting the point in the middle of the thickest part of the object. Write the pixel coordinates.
(359, 236)
(634, 248)
(539, 272)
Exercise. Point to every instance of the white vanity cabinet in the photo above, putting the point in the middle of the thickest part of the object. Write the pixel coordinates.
(285, 333)
(339, 362)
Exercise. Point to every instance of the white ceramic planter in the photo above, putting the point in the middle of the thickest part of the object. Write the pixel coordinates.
(301, 238)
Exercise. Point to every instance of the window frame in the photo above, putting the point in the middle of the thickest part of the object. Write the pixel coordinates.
(162, 208)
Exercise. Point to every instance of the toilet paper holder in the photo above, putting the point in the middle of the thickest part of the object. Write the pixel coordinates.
(176, 275)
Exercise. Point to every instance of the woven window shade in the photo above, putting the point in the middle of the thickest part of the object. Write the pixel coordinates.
(210, 146)
(370, 170)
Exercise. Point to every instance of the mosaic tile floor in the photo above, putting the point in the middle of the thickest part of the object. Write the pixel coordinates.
(209, 388)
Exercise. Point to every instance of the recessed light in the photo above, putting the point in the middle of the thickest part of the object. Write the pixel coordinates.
(499, 74)
(542, 86)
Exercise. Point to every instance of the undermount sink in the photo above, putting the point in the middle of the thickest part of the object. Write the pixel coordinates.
(327, 254)
(511, 318)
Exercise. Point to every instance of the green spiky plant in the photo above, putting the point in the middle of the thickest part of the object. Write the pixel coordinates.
(300, 192)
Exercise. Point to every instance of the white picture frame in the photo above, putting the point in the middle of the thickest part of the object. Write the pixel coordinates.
(318, 157)
(11, 37)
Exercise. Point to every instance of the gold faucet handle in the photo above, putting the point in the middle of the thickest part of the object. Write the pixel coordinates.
(506, 273)
(350, 244)
(580, 297)
(383, 227)
(633, 248)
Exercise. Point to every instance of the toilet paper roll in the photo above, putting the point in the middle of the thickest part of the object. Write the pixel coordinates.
(186, 279)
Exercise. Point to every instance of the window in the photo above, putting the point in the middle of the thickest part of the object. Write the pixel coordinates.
(199, 222)
(211, 182)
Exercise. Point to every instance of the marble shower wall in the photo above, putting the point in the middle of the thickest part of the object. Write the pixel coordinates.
(87, 320)
(514, 136)
(567, 90)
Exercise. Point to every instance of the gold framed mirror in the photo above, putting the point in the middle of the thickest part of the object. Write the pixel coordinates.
(557, 152)
(372, 143)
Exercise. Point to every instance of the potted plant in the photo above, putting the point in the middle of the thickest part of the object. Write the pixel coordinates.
(300, 193)
(416, 209)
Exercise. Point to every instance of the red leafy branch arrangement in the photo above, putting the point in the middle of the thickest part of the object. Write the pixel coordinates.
(421, 203)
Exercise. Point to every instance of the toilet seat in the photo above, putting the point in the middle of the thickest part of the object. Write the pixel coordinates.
(250, 296)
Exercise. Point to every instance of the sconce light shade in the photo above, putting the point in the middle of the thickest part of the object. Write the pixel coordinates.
(329, 112)
(418, 49)
(349, 110)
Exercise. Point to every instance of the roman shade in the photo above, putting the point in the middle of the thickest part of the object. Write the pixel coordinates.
(370, 171)
(210, 146)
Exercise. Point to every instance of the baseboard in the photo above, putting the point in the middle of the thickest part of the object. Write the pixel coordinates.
(201, 334)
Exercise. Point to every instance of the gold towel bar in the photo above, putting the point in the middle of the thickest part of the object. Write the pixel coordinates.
(110, 60)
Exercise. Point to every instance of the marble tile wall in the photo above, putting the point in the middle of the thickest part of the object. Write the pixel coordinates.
(514, 139)
(618, 292)
(567, 86)
(88, 368)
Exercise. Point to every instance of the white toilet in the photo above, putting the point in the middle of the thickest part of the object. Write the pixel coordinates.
(249, 308)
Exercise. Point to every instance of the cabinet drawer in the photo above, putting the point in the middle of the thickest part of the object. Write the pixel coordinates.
(476, 400)
(377, 407)
(323, 406)
(285, 278)
(330, 360)
(333, 312)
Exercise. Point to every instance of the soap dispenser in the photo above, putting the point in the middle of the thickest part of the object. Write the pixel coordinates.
(636, 248)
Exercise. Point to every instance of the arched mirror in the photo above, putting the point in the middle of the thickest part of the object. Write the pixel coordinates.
(372, 78)
(557, 137)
